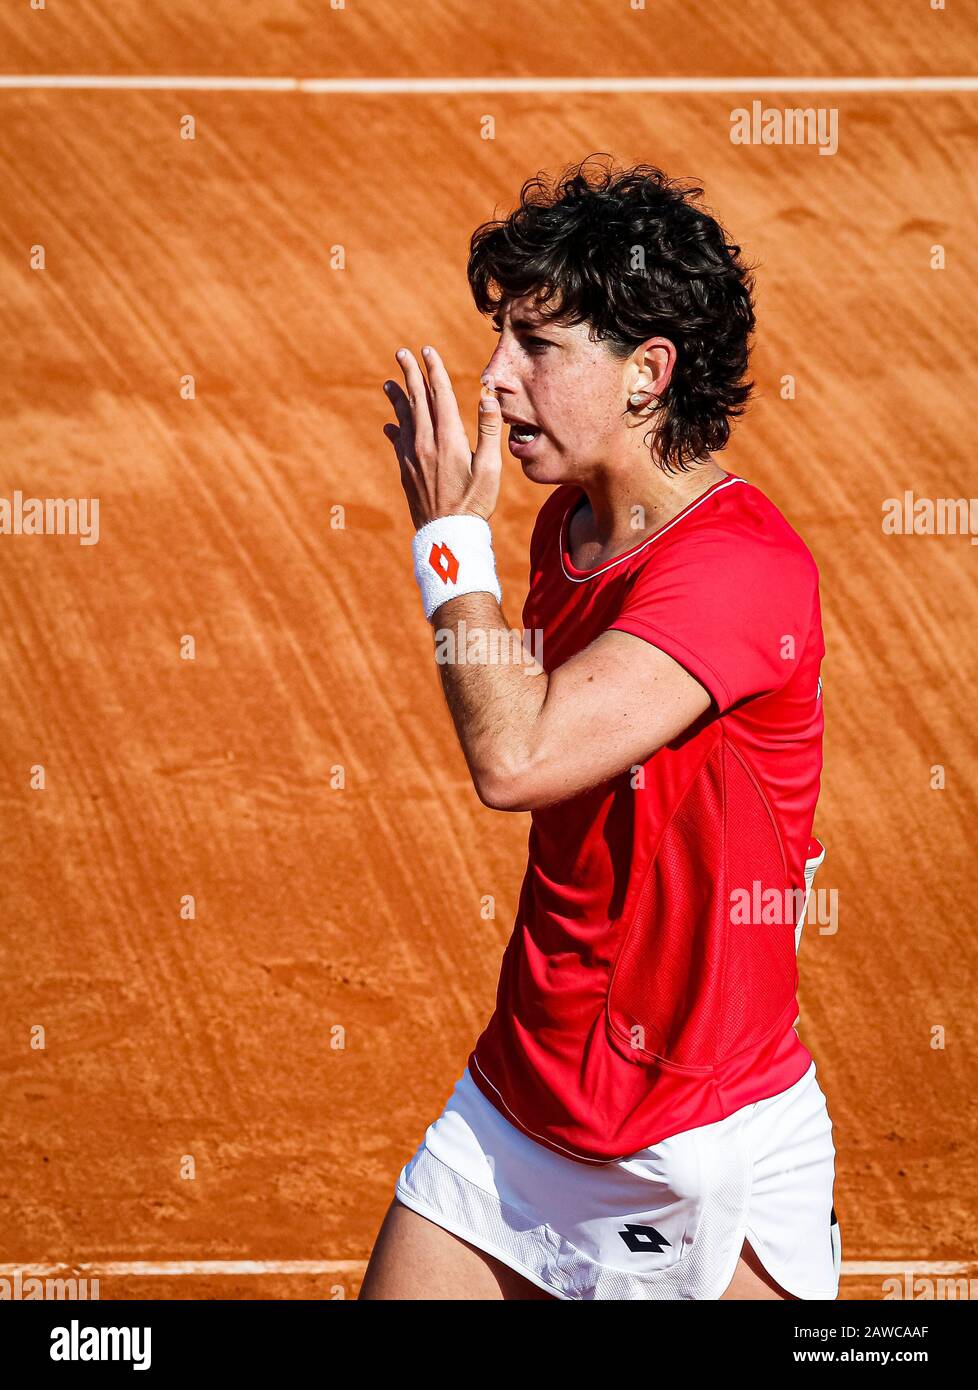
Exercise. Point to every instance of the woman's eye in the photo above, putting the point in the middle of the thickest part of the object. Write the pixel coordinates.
(531, 344)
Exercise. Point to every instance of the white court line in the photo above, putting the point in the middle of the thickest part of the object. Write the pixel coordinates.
(167, 1268)
(170, 1268)
(908, 1267)
(194, 84)
(418, 86)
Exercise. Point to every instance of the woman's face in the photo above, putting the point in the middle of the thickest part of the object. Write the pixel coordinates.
(571, 390)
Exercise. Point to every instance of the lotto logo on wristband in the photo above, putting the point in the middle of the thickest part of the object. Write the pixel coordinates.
(444, 563)
(452, 557)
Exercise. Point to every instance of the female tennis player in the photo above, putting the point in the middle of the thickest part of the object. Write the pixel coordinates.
(639, 1118)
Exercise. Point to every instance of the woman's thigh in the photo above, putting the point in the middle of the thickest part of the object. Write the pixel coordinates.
(414, 1258)
(752, 1281)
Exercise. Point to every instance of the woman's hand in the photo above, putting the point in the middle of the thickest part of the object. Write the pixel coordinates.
(440, 474)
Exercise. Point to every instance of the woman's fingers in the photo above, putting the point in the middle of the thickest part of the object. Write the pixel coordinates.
(404, 428)
(420, 403)
(445, 406)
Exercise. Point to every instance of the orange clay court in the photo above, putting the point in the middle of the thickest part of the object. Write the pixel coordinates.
(300, 778)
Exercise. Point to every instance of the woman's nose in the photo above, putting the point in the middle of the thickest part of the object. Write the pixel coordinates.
(498, 366)
(492, 365)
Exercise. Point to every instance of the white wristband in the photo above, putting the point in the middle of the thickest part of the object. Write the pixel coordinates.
(452, 556)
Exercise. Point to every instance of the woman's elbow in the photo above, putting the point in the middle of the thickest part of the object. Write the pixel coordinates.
(504, 792)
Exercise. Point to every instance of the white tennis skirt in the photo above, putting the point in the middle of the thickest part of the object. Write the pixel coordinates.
(667, 1222)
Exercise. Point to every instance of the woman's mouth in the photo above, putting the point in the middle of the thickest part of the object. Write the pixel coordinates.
(522, 439)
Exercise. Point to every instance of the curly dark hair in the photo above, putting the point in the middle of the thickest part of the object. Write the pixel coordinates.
(629, 252)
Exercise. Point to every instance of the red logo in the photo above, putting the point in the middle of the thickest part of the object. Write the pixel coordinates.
(444, 563)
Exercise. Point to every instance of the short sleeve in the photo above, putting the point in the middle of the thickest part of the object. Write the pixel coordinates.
(734, 608)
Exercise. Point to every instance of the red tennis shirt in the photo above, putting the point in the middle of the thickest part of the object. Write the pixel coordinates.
(638, 997)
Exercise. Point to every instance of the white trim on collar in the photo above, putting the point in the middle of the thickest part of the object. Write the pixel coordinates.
(630, 554)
